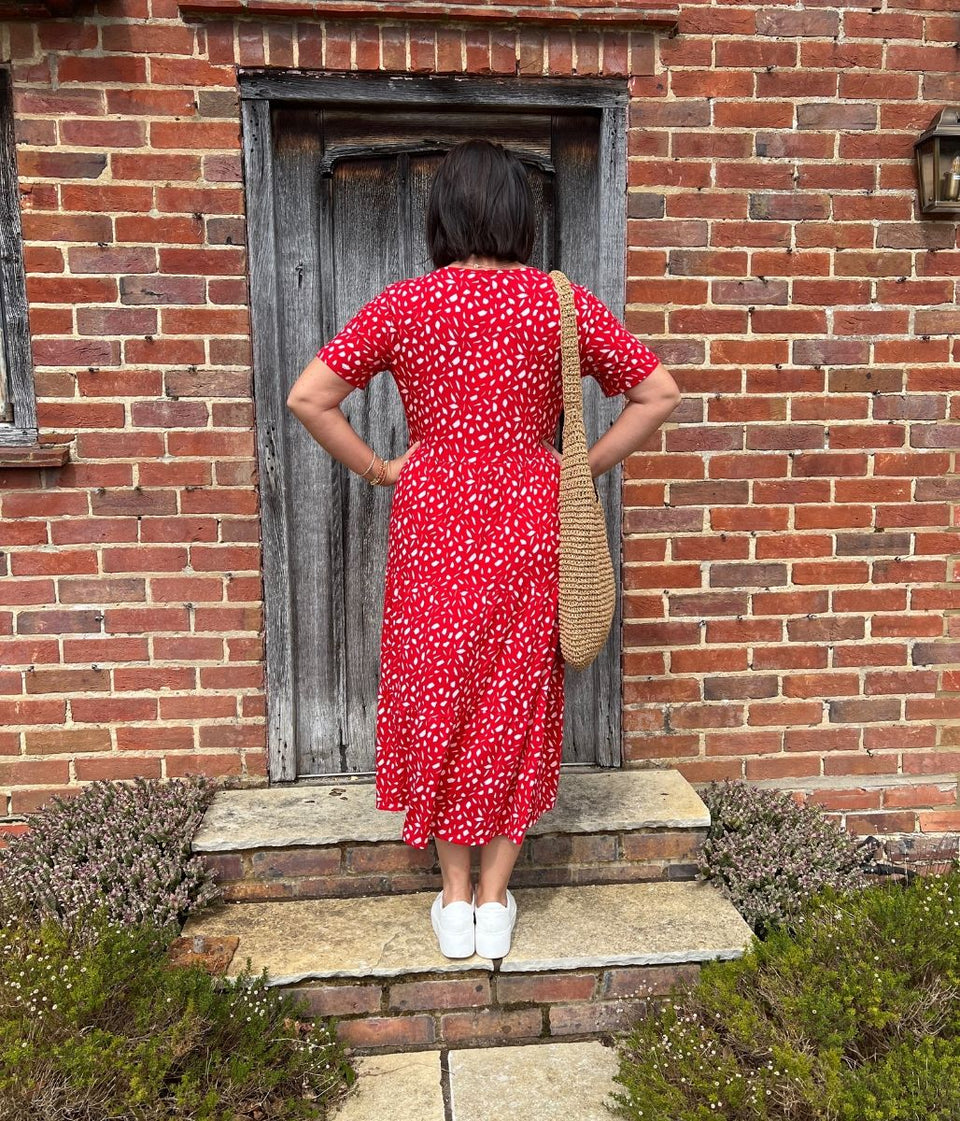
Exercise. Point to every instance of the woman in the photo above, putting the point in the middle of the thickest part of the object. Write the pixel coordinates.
(470, 702)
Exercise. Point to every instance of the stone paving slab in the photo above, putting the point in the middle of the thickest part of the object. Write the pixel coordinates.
(328, 813)
(401, 1087)
(546, 1081)
(557, 928)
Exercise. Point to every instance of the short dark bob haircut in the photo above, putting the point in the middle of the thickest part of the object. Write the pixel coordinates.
(480, 204)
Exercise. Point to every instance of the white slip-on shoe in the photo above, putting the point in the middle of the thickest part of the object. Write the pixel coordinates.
(454, 927)
(495, 925)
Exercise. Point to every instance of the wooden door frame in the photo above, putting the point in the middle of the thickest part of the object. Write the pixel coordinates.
(259, 88)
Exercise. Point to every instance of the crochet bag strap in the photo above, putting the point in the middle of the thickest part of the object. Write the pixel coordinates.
(574, 434)
(587, 586)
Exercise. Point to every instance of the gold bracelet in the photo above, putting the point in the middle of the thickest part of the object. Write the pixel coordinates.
(363, 474)
(377, 480)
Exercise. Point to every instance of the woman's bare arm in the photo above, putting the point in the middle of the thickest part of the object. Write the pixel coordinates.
(315, 400)
(649, 403)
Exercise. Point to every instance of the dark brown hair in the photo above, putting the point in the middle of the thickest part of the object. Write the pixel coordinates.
(480, 204)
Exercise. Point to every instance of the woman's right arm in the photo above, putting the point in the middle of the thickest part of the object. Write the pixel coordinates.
(621, 364)
(649, 403)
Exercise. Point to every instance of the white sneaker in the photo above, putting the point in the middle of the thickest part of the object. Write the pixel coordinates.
(495, 925)
(453, 926)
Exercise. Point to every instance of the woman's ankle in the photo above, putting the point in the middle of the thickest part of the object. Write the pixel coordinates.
(484, 896)
(453, 893)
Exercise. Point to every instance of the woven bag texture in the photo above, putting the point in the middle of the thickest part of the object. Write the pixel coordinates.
(587, 588)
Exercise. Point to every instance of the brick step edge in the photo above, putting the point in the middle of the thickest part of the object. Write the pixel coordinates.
(479, 1007)
(375, 868)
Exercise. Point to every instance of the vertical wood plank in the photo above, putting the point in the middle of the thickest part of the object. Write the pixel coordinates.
(314, 559)
(611, 288)
(271, 446)
(592, 696)
(18, 409)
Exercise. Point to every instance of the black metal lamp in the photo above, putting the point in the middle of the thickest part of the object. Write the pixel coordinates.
(938, 164)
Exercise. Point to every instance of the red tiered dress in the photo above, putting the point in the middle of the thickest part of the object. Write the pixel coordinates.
(469, 728)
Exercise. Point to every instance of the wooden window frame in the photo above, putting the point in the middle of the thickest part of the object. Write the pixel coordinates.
(18, 421)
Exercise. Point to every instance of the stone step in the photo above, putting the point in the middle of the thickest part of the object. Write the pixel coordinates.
(582, 962)
(568, 1081)
(329, 839)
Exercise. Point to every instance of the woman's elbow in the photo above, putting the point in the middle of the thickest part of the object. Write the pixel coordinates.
(658, 388)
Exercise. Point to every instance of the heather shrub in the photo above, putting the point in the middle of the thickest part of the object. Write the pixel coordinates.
(119, 845)
(853, 1017)
(767, 854)
(103, 1028)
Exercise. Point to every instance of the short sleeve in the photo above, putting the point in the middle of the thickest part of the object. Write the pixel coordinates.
(365, 344)
(609, 353)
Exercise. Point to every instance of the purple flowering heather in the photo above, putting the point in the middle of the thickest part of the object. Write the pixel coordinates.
(119, 846)
(767, 854)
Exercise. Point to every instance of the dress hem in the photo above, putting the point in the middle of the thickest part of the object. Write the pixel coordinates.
(518, 837)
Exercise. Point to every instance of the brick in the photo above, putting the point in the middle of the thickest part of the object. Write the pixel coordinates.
(573, 849)
(383, 857)
(42, 227)
(386, 1031)
(644, 981)
(491, 1024)
(150, 102)
(589, 1018)
(162, 290)
(408, 996)
(107, 768)
(64, 741)
(545, 988)
(144, 39)
(63, 103)
(111, 260)
(189, 72)
(116, 321)
(21, 772)
(67, 680)
(103, 134)
(154, 739)
(53, 621)
(62, 165)
(193, 135)
(661, 846)
(340, 1000)
(282, 863)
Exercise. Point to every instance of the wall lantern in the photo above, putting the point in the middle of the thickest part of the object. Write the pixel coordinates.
(938, 164)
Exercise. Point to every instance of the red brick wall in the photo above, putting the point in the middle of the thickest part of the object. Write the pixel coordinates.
(790, 535)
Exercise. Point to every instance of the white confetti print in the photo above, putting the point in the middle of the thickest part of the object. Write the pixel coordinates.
(470, 705)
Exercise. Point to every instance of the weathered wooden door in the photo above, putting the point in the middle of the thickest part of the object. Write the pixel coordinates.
(336, 199)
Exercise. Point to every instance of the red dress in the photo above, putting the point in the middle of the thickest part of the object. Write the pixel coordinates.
(469, 727)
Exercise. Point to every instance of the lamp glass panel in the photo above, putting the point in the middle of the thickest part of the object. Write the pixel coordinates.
(927, 171)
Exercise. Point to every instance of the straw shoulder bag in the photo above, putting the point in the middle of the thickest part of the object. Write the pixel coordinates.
(587, 589)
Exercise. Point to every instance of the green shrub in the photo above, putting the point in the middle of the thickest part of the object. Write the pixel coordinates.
(104, 1028)
(767, 854)
(855, 1017)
